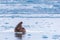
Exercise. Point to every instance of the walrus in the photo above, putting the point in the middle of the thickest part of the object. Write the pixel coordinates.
(20, 29)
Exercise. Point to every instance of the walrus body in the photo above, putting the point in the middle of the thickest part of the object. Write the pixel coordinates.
(19, 28)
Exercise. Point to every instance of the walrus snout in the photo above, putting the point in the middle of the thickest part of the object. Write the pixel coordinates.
(21, 22)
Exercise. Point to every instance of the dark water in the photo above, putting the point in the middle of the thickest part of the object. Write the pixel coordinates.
(11, 36)
(28, 36)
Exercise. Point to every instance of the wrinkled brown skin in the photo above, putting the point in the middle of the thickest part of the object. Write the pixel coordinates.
(19, 28)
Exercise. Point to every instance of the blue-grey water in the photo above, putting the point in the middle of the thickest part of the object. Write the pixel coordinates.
(41, 19)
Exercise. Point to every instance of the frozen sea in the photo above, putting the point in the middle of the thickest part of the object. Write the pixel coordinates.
(41, 19)
(36, 28)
